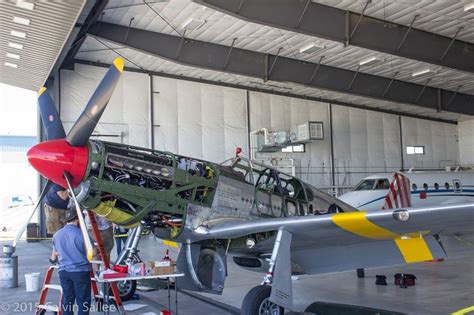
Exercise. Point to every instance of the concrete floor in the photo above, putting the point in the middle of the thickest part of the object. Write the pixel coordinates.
(33, 257)
(441, 288)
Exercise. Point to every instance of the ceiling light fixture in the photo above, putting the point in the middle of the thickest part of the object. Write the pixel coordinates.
(370, 61)
(15, 45)
(18, 34)
(422, 72)
(20, 20)
(14, 56)
(311, 48)
(469, 6)
(12, 65)
(192, 24)
(25, 5)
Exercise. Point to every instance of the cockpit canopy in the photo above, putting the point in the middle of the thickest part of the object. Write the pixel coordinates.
(270, 181)
(373, 184)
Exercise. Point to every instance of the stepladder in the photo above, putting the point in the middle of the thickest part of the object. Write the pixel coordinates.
(43, 306)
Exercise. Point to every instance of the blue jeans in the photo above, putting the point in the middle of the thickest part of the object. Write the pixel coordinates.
(118, 244)
(120, 239)
(76, 286)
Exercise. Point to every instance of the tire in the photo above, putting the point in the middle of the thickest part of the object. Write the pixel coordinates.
(256, 302)
(126, 289)
(360, 273)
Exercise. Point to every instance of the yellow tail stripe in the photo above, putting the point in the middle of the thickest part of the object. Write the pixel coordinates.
(357, 223)
(414, 249)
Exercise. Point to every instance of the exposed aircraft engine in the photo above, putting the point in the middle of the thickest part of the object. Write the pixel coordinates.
(138, 168)
(155, 187)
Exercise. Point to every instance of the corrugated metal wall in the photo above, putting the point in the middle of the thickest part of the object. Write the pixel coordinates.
(199, 120)
(208, 122)
(280, 113)
(126, 118)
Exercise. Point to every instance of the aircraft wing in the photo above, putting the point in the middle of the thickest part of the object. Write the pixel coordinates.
(345, 241)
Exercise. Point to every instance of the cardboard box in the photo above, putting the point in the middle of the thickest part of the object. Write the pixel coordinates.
(164, 270)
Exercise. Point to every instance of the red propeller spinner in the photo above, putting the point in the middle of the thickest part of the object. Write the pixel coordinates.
(52, 158)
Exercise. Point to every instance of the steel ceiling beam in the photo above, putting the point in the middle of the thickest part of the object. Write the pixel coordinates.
(266, 91)
(314, 19)
(254, 64)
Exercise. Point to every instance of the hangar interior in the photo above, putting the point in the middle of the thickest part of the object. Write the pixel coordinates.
(208, 122)
(389, 84)
(206, 113)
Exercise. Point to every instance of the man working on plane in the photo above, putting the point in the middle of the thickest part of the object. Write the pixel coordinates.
(106, 234)
(55, 205)
(74, 268)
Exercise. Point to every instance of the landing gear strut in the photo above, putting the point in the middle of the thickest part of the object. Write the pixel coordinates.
(278, 277)
(129, 254)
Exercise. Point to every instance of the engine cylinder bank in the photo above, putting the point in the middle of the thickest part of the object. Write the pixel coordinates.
(130, 185)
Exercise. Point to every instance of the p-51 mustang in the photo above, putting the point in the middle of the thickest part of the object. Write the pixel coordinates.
(268, 220)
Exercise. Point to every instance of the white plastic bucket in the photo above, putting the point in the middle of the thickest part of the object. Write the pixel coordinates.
(32, 281)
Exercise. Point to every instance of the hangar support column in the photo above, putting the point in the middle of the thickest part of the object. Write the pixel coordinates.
(401, 142)
(152, 114)
(466, 142)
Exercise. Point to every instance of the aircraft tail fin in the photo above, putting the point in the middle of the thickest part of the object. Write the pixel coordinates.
(398, 193)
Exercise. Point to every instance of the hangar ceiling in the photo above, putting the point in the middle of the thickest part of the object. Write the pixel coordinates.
(356, 29)
(32, 35)
(216, 27)
(282, 69)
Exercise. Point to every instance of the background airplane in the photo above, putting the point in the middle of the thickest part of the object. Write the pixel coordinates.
(262, 216)
(425, 188)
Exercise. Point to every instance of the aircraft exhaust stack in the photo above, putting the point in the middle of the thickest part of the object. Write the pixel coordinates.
(107, 209)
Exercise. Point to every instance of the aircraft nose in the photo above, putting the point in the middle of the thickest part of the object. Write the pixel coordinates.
(52, 158)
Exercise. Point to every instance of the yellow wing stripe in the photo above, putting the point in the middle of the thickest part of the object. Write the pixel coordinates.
(357, 223)
(413, 249)
(170, 243)
(464, 311)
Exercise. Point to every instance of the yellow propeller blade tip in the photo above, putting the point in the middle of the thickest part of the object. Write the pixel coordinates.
(41, 91)
(90, 255)
(118, 62)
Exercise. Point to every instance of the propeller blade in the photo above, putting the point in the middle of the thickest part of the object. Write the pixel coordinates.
(49, 116)
(82, 224)
(85, 124)
(23, 227)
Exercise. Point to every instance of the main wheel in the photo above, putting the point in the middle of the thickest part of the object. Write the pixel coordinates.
(126, 289)
(257, 302)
